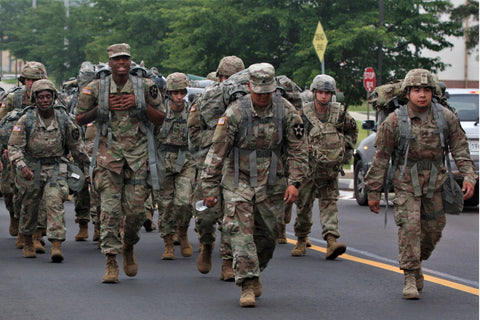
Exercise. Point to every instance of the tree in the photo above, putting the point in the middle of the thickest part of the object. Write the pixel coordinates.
(465, 12)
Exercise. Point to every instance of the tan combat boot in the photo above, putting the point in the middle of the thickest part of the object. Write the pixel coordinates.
(130, 266)
(169, 253)
(257, 287)
(204, 261)
(56, 254)
(82, 234)
(13, 228)
(20, 241)
(227, 273)
(309, 244)
(410, 287)
(28, 248)
(334, 249)
(300, 247)
(111, 272)
(185, 247)
(419, 279)
(282, 239)
(248, 295)
(39, 248)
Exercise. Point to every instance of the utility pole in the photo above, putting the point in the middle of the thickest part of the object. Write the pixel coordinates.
(380, 47)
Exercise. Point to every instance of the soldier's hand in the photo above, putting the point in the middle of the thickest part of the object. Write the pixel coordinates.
(374, 205)
(5, 154)
(468, 190)
(210, 201)
(291, 194)
(27, 173)
(1, 166)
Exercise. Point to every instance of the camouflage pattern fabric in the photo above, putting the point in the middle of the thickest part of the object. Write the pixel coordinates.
(174, 199)
(253, 217)
(44, 141)
(420, 219)
(122, 169)
(322, 183)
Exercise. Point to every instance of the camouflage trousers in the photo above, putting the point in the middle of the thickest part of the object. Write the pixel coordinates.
(205, 225)
(9, 189)
(252, 229)
(174, 200)
(122, 197)
(82, 205)
(43, 207)
(420, 222)
(326, 191)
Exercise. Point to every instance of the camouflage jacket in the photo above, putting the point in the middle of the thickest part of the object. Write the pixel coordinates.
(426, 147)
(265, 136)
(10, 104)
(129, 143)
(172, 139)
(343, 124)
(45, 141)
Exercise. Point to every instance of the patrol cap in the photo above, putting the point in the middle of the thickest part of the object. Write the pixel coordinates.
(261, 77)
(118, 49)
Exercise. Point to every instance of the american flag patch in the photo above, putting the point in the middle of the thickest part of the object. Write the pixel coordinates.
(86, 90)
(193, 108)
(221, 121)
(17, 128)
(4, 105)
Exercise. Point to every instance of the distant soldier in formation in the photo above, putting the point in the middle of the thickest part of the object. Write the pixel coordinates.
(332, 135)
(416, 137)
(246, 159)
(124, 107)
(11, 109)
(37, 148)
(202, 121)
(177, 169)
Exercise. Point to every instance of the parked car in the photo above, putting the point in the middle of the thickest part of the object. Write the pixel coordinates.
(465, 101)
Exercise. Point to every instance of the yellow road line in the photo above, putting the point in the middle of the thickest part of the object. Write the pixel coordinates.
(450, 284)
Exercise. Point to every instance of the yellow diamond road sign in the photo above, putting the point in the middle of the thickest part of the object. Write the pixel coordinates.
(320, 41)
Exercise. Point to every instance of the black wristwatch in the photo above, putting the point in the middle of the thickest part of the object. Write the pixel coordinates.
(296, 185)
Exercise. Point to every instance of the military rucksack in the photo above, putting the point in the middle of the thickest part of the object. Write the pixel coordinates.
(327, 140)
(6, 126)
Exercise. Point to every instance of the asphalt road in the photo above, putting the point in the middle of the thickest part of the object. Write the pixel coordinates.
(364, 283)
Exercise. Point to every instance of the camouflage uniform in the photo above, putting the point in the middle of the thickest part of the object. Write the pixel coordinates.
(122, 163)
(174, 199)
(254, 210)
(41, 151)
(16, 101)
(202, 121)
(420, 217)
(322, 183)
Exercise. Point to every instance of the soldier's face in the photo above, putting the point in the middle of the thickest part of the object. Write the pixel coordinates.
(260, 100)
(29, 83)
(120, 65)
(177, 98)
(323, 97)
(44, 99)
(222, 78)
(420, 97)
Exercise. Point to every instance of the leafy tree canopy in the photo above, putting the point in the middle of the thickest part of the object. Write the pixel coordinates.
(193, 35)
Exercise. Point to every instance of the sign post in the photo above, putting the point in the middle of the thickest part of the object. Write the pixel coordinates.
(320, 42)
(369, 81)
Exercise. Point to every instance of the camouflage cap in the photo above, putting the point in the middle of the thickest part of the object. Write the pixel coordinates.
(177, 81)
(119, 49)
(229, 65)
(212, 76)
(33, 70)
(261, 77)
